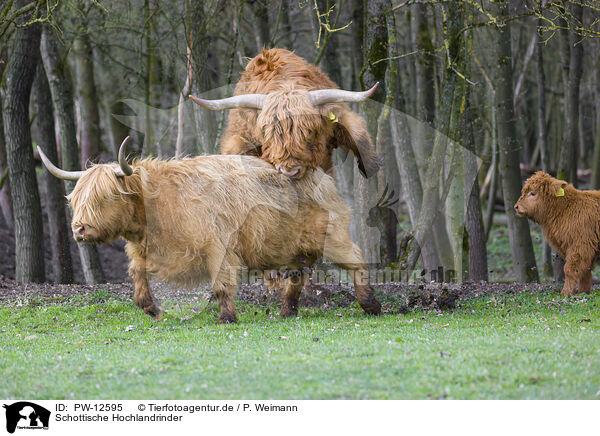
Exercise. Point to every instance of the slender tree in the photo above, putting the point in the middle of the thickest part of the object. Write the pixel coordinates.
(16, 91)
(375, 36)
(58, 230)
(541, 124)
(474, 230)
(524, 267)
(568, 157)
(205, 77)
(5, 198)
(88, 99)
(61, 89)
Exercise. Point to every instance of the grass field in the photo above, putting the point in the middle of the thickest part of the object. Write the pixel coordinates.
(520, 345)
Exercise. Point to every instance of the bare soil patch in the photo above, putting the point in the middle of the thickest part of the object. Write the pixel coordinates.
(395, 297)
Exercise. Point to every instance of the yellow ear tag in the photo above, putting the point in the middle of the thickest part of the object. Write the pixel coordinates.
(561, 192)
(333, 118)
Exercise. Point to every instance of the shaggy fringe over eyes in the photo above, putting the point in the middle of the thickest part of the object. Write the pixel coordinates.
(98, 185)
(288, 122)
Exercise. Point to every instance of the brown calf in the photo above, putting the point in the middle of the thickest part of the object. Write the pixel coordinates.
(570, 220)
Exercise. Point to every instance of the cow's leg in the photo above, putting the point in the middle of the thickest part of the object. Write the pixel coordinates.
(571, 279)
(225, 280)
(576, 268)
(273, 281)
(225, 294)
(291, 293)
(142, 295)
(585, 283)
(347, 255)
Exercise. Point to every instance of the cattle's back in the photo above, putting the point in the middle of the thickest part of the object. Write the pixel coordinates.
(195, 209)
(199, 204)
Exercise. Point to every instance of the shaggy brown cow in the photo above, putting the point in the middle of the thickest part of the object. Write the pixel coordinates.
(204, 218)
(289, 113)
(570, 220)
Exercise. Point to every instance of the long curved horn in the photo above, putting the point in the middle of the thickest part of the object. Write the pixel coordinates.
(323, 96)
(57, 172)
(250, 101)
(125, 168)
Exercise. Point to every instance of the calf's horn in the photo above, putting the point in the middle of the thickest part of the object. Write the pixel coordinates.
(250, 101)
(57, 172)
(323, 96)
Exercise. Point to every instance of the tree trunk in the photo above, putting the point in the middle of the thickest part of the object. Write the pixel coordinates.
(151, 146)
(567, 165)
(568, 159)
(203, 58)
(328, 59)
(58, 229)
(374, 70)
(384, 146)
(118, 130)
(20, 71)
(542, 136)
(62, 98)
(475, 234)
(518, 228)
(436, 178)
(411, 186)
(261, 14)
(491, 200)
(424, 81)
(595, 181)
(358, 17)
(5, 199)
(88, 101)
(478, 263)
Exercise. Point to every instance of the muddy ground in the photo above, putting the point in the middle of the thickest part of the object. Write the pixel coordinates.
(395, 297)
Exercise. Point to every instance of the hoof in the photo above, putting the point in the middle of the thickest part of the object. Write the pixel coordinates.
(371, 307)
(289, 308)
(155, 312)
(288, 313)
(227, 318)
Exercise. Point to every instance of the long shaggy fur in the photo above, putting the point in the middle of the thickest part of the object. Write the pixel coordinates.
(289, 131)
(201, 219)
(570, 220)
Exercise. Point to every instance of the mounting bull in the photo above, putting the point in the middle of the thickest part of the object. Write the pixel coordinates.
(289, 113)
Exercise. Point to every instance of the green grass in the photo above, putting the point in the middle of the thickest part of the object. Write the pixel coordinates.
(530, 345)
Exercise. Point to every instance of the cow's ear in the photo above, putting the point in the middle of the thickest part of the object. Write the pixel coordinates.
(350, 133)
(559, 188)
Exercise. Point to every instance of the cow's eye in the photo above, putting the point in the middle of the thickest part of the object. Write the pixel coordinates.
(531, 194)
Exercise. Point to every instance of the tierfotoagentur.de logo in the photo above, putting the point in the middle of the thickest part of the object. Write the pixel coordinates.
(26, 415)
